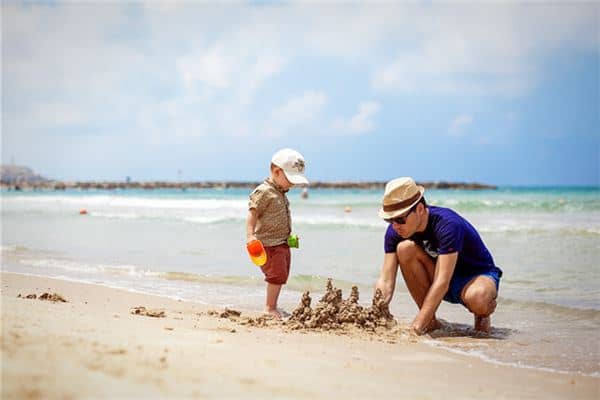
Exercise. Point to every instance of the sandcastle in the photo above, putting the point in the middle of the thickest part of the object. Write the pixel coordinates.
(330, 313)
(334, 313)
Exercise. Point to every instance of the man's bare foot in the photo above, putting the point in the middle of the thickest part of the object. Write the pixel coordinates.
(482, 324)
(273, 313)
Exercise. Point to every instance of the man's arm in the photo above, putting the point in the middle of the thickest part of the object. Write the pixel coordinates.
(251, 224)
(387, 278)
(441, 281)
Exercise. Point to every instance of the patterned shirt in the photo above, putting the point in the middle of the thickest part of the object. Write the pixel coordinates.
(274, 223)
(446, 233)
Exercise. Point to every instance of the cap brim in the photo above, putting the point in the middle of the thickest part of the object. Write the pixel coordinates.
(392, 214)
(296, 179)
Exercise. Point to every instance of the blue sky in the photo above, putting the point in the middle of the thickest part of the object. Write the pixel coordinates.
(494, 93)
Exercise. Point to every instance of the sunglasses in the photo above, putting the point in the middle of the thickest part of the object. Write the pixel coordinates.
(401, 220)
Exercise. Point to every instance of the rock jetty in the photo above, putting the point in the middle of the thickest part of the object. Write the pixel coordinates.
(23, 178)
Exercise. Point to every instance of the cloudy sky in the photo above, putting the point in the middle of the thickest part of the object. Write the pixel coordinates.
(495, 93)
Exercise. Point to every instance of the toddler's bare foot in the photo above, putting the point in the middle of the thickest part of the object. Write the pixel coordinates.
(274, 313)
(482, 324)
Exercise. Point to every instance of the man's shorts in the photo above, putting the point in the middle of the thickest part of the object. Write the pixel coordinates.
(458, 282)
(277, 267)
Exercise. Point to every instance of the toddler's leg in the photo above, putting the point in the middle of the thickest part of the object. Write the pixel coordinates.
(272, 296)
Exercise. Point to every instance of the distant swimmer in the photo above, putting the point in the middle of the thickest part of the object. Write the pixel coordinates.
(304, 193)
(83, 211)
(347, 209)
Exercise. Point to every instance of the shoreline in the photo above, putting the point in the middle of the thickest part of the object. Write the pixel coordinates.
(97, 348)
(433, 342)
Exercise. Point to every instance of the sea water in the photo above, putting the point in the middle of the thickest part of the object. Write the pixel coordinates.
(190, 245)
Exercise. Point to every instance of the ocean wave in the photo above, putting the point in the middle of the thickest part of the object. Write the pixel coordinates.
(12, 248)
(200, 278)
(129, 201)
(77, 266)
(117, 215)
(540, 229)
(490, 359)
(300, 283)
(573, 313)
(462, 201)
(336, 221)
(532, 205)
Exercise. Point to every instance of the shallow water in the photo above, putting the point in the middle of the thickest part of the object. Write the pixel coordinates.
(190, 245)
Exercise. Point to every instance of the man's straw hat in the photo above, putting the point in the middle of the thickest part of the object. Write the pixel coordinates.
(400, 195)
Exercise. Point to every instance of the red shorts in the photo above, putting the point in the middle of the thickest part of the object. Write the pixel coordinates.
(277, 267)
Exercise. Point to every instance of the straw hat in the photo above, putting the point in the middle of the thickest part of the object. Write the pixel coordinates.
(400, 195)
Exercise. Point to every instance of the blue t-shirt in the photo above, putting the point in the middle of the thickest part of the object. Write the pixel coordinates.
(446, 233)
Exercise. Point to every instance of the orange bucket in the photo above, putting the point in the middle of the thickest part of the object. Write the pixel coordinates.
(257, 252)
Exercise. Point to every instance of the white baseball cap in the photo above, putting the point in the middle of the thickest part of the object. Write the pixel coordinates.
(292, 164)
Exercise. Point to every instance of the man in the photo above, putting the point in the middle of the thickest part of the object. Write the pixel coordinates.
(441, 256)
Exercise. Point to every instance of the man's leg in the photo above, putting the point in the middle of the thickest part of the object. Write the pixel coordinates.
(479, 295)
(418, 270)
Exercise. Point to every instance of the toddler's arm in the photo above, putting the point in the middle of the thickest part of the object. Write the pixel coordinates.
(251, 224)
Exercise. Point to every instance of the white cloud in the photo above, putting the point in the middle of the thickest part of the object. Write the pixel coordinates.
(60, 114)
(210, 68)
(297, 113)
(265, 67)
(490, 49)
(459, 124)
(361, 122)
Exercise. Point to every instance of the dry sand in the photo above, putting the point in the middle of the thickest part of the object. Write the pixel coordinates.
(108, 343)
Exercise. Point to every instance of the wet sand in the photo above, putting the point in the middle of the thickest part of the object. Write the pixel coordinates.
(108, 343)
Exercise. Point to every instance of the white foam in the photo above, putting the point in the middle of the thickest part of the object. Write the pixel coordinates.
(69, 265)
(114, 215)
(127, 201)
(9, 248)
(484, 357)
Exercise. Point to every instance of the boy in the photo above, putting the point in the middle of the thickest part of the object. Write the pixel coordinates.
(269, 221)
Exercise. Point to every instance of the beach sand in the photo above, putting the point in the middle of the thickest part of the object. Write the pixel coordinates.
(92, 346)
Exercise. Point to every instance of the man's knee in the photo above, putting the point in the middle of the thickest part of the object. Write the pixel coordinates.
(406, 251)
(480, 298)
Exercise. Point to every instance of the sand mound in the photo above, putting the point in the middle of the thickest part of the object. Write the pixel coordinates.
(54, 297)
(141, 310)
(334, 313)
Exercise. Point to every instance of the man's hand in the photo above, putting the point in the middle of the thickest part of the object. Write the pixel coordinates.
(387, 278)
(417, 329)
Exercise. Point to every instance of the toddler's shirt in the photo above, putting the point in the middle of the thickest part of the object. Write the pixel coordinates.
(274, 223)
